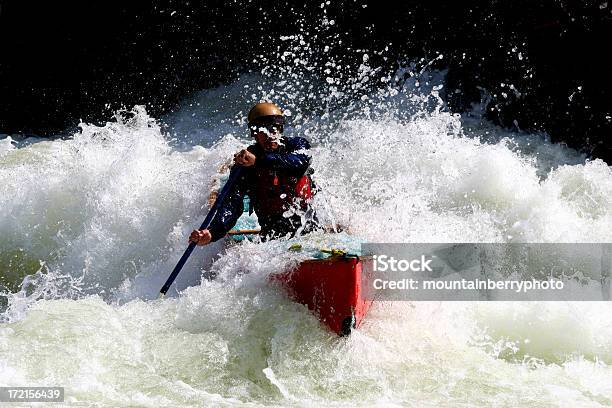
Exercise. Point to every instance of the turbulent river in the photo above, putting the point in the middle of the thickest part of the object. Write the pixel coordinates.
(91, 226)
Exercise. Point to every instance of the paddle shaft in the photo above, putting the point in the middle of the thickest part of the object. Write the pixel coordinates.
(234, 174)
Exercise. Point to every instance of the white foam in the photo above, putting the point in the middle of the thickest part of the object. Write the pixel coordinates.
(109, 210)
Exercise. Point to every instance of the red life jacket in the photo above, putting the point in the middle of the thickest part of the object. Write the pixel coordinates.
(278, 192)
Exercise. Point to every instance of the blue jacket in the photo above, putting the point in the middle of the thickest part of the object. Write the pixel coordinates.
(271, 187)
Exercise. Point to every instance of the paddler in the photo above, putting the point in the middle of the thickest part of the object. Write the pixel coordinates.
(276, 178)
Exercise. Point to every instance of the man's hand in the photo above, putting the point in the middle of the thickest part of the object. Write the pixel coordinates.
(200, 237)
(244, 158)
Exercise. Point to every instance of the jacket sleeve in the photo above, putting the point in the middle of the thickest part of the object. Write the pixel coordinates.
(294, 158)
(231, 209)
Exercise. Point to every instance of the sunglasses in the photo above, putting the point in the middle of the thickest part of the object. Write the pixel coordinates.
(270, 128)
(272, 124)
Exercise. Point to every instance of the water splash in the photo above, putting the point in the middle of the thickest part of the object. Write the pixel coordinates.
(108, 212)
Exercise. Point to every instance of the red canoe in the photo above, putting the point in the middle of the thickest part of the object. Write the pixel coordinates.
(332, 289)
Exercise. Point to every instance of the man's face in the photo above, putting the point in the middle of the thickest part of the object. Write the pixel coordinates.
(267, 137)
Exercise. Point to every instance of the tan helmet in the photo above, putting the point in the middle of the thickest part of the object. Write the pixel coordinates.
(264, 109)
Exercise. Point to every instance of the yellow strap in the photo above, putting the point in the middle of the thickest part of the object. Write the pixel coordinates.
(333, 251)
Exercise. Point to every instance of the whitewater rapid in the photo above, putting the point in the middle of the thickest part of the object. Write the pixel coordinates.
(91, 226)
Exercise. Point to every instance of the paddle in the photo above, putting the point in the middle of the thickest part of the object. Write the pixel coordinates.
(234, 174)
